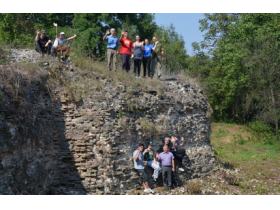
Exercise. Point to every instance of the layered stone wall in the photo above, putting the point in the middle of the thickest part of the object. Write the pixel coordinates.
(51, 145)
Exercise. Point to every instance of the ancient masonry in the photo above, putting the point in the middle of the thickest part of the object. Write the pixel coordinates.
(50, 145)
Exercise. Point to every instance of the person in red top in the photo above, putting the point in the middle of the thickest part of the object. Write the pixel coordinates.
(126, 50)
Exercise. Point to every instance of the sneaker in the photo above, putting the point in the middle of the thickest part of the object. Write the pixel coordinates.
(181, 169)
(147, 190)
(151, 191)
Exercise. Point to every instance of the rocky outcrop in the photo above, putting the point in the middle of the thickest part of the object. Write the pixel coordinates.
(52, 145)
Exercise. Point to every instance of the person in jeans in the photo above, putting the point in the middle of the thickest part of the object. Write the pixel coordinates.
(157, 57)
(139, 162)
(60, 39)
(151, 160)
(138, 51)
(126, 50)
(112, 48)
(167, 166)
(147, 58)
(174, 143)
(43, 44)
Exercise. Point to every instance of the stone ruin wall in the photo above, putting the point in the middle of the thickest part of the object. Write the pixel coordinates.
(50, 145)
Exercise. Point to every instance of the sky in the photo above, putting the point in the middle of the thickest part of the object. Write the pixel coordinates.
(185, 24)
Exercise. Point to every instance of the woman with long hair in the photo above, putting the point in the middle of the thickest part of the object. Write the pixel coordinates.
(138, 52)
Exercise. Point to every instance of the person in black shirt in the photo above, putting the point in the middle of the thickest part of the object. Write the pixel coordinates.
(43, 44)
(166, 142)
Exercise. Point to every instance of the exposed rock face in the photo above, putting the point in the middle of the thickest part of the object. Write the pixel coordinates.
(50, 145)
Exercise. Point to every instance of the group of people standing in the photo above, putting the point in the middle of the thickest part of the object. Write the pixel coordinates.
(152, 56)
(161, 162)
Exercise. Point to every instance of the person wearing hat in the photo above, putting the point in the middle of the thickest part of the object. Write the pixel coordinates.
(60, 39)
(43, 44)
(151, 160)
(112, 48)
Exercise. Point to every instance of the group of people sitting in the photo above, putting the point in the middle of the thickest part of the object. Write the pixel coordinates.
(44, 45)
(162, 162)
(152, 55)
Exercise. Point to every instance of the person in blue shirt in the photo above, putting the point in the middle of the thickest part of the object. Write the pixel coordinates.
(112, 48)
(147, 58)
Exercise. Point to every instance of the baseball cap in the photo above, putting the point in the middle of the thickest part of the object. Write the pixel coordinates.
(150, 143)
(167, 138)
(62, 33)
(112, 29)
(175, 135)
(43, 31)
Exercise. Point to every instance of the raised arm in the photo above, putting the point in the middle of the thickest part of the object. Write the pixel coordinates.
(37, 36)
(107, 33)
(56, 30)
(72, 37)
(122, 33)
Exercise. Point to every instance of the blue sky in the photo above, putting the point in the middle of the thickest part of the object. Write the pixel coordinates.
(186, 24)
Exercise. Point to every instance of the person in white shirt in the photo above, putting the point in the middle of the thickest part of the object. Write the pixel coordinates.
(60, 39)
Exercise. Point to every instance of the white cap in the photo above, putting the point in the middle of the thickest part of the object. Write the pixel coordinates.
(62, 33)
(112, 29)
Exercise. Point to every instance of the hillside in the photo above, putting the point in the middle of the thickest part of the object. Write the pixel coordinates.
(71, 128)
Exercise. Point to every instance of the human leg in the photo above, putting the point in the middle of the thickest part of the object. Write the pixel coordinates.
(127, 62)
(65, 49)
(153, 67)
(49, 48)
(109, 59)
(169, 177)
(156, 168)
(114, 52)
(123, 61)
(144, 65)
(135, 66)
(149, 66)
(159, 71)
(38, 48)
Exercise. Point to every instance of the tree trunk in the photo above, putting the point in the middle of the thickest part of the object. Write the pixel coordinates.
(275, 112)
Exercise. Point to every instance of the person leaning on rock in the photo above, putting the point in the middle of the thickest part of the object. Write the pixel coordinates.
(174, 143)
(138, 160)
(151, 160)
(43, 44)
(167, 166)
(58, 44)
(112, 48)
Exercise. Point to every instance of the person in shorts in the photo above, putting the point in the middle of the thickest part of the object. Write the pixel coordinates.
(139, 162)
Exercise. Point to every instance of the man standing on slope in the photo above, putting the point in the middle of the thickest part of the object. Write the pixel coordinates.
(157, 57)
(126, 50)
(138, 160)
(58, 44)
(43, 44)
(167, 166)
(112, 48)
